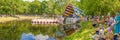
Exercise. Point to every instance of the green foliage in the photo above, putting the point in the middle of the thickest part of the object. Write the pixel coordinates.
(99, 7)
(34, 7)
(90, 7)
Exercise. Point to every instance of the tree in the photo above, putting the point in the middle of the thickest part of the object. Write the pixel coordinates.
(34, 7)
(99, 7)
(43, 7)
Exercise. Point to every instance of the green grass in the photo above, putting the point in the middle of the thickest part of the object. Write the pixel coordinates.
(84, 33)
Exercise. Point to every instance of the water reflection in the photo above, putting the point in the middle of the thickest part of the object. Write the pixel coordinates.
(13, 30)
(69, 29)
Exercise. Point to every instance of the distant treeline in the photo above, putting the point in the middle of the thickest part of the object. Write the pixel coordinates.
(89, 7)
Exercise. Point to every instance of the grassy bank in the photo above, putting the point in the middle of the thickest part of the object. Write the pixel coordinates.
(84, 33)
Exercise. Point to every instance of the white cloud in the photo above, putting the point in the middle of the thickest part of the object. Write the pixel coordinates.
(43, 0)
(28, 0)
(40, 0)
(78, 0)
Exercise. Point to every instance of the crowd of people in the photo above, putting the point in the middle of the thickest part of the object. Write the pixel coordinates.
(107, 27)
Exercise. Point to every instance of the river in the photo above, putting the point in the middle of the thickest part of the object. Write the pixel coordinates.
(14, 29)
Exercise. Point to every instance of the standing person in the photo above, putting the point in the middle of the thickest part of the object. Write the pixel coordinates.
(61, 19)
(117, 25)
(107, 21)
(111, 20)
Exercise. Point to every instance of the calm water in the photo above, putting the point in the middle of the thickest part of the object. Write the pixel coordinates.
(13, 30)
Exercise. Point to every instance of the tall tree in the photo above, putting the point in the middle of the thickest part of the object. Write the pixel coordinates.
(99, 7)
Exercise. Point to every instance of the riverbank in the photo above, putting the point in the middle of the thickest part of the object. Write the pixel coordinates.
(18, 17)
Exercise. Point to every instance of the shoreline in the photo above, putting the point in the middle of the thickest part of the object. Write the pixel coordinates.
(4, 19)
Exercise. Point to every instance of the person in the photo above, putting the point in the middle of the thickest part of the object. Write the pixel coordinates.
(109, 34)
(98, 19)
(117, 25)
(94, 23)
(101, 34)
(61, 19)
(119, 36)
(78, 23)
(115, 37)
(96, 35)
(111, 20)
(107, 21)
